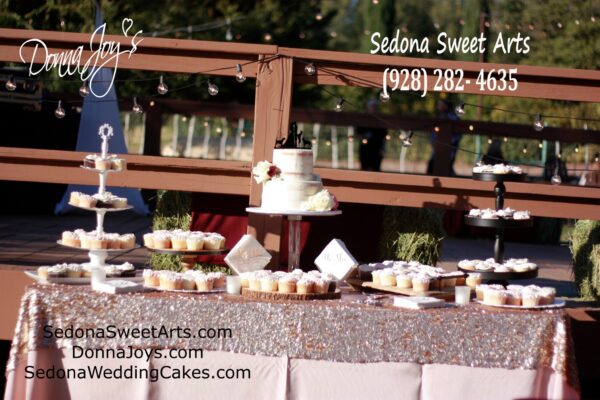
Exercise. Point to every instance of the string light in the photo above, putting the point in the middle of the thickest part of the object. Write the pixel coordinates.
(152, 103)
(490, 140)
(460, 109)
(339, 107)
(268, 37)
(183, 118)
(538, 124)
(10, 84)
(556, 179)
(137, 109)
(314, 141)
(239, 75)
(242, 134)
(328, 143)
(436, 129)
(310, 69)
(524, 149)
(351, 139)
(597, 157)
(505, 139)
(365, 141)
(576, 148)
(471, 128)
(319, 16)
(213, 89)
(162, 87)
(375, 2)
(384, 96)
(541, 144)
(206, 124)
(388, 137)
(407, 141)
(60, 111)
(84, 90)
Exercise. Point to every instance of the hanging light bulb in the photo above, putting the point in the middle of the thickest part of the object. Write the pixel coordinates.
(60, 111)
(541, 144)
(137, 109)
(576, 148)
(436, 129)
(84, 90)
(407, 141)
(268, 37)
(213, 89)
(10, 84)
(162, 87)
(538, 124)
(310, 69)
(228, 34)
(351, 139)
(384, 96)
(339, 107)
(328, 143)
(471, 128)
(239, 75)
(314, 141)
(388, 137)
(365, 141)
(556, 179)
(505, 139)
(597, 157)
(460, 109)
(318, 15)
(524, 149)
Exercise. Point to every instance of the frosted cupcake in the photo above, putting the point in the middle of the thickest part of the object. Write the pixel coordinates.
(547, 295)
(387, 277)
(70, 239)
(214, 241)
(149, 240)
(195, 242)
(119, 202)
(305, 286)
(268, 283)
(98, 242)
(161, 241)
(103, 164)
(376, 276)
(74, 271)
(245, 279)
(403, 281)
(473, 280)
(179, 241)
(530, 298)
(495, 297)
(86, 200)
(189, 282)
(151, 278)
(112, 241)
(420, 283)
(219, 278)
(321, 285)
(57, 271)
(127, 241)
(204, 283)
(479, 289)
(287, 284)
(254, 281)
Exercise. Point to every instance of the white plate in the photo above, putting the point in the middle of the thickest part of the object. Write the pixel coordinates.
(101, 171)
(137, 246)
(79, 281)
(260, 210)
(102, 209)
(556, 304)
(220, 290)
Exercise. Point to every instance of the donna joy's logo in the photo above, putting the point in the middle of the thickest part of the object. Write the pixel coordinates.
(71, 62)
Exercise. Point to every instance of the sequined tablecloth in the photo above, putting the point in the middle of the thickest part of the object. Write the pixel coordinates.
(335, 330)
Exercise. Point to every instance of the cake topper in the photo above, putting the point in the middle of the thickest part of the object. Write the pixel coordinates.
(105, 132)
(294, 140)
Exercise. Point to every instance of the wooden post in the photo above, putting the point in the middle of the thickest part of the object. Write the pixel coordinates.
(441, 162)
(153, 126)
(271, 121)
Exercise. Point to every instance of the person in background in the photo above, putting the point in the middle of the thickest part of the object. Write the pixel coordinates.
(445, 111)
(372, 142)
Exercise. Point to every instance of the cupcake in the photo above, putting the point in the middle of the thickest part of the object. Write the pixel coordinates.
(126, 269)
(219, 278)
(57, 271)
(244, 279)
(127, 241)
(387, 277)
(468, 264)
(98, 242)
(403, 281)
(102, 164)
(161, 241)
(112, 241)
(305, 286)
(189, 282)
(479, 289)
(530, 298)
(448, 282)
(87, 201)
(118, 164)
(513, 298)
(321, 285)
(112, 271)
(287, 284)
(148, 240)
(214, 241)
(71, 239)
(547, 295)
(195, 241)
(118, 202)
(461, 281)
(90, 161)
(268, 283)
(151, 278)
(494, 297)
(204, 283)
(74, 198)
(254, 281)
(376, 276)
(85, 240)
(420, 283)
(179, 241)
(473, 279)
(43, 272)
(170, 280)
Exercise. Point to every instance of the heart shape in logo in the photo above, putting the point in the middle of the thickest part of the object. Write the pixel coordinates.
(126, 25)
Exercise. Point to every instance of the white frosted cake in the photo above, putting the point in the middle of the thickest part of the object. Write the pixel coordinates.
(296, 182)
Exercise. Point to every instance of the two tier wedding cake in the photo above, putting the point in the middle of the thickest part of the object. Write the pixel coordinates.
(289, 183)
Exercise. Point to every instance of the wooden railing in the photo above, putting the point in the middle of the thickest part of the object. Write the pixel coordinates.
(273, 111)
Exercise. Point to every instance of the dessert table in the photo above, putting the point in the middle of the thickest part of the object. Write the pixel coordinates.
(350, 348)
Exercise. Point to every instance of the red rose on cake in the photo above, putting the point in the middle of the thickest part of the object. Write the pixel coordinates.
(265, 171)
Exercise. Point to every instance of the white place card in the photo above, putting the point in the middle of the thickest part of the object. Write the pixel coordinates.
(117, 286)
(336, 260)
(418, 303)
(247, 255)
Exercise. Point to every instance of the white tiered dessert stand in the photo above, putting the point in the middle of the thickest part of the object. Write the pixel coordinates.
(98, 256)
(294, 218)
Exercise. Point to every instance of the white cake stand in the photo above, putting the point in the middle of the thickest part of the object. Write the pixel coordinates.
(294, 218)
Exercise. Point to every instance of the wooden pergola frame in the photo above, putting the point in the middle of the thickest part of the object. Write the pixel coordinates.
(276, 72)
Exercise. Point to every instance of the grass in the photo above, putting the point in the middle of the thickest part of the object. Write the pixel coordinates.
(585, 249)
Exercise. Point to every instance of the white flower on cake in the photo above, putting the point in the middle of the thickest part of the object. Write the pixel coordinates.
(264, 171)
(321, 201)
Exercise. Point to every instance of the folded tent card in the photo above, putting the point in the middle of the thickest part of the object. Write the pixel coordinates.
(247, 255)
(336, 260)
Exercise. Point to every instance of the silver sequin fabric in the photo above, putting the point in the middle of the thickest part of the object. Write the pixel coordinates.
(334, 330)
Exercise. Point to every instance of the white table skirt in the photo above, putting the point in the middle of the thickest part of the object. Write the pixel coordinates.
(283, 378)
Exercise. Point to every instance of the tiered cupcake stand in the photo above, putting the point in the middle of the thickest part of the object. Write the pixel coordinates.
(294, 218)
(98, 256)
(500, 225)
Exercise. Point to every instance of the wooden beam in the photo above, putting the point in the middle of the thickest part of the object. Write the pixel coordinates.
(271, 120)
